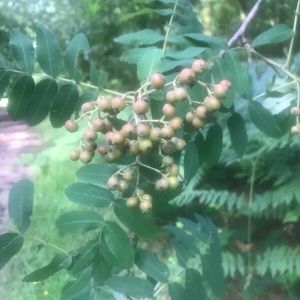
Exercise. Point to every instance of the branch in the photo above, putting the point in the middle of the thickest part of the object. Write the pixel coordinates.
(245, 24)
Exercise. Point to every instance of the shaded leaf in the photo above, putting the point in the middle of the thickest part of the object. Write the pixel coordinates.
(20, 96)
(63, 105)
(170, 64)
(213, 145)
(40, 101)
(143, 37)
(20, 203)
(177, 291)
(97, 174)
(156, 108)
(22, 50)
(78, 43)
(59, 262)
(89, 195)
(47, 50)
(79, 221)
(182, 253)
(149, 64)
(263, 119)
(10, 245)
(101, 269)
(72, 288)
(133, 286)
(118, 244)
(4, 81)
(117, 123)
(213, 42)
(200, 144)
(151, 265)
(133, 55)
(189, 52)
(191, 161)
(276, 34)
(4, 63)
(98, 78)
(134, 219)
(193, 285)
(238, 133)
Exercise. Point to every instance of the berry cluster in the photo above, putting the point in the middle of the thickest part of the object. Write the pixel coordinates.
(143, 135)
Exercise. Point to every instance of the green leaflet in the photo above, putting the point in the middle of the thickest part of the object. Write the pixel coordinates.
(177, 291)
(191, 161)
(193, 285)
(98, 78)
(20, 203)
(4, 81)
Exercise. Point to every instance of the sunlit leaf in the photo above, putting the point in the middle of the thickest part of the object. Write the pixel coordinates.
(20, 203)
(47, 50)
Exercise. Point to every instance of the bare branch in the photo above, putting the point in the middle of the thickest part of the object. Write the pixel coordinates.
(245, 24)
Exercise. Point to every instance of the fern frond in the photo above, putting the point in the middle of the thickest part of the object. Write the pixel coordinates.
(233, 264)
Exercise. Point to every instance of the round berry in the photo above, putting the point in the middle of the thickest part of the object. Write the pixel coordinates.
(91, 147)
(167, 132)
(74, 155)
(295, 111)
(99, 125)
(295, 129)
(145, 206)
(102, 150)
(71, 126)
(173, 182)
(180, 94)
(134, 149)
(132, 202)
(118, 138)
(128, 175)
(112, 183)
(85, 157)
(220, 91)
(198, 123)
(118, 104)
(110, 158)
(140, 107)
(145, 145)
(180, 144)
(129, 130)
(122, 186)
(142, 130)
(199, 66)
(146, 197)
(176, 123)
(157, 81)
(162, 184)
(87, 106)
(189, 117)
(108, 137)
(155, 134)
(187, 77)
(169, 147)
(140, 193)
(170, 97)
(103, 104)
(211, 103)
(173, 170)
(117, 152)
(90, 135)
(167, 160)
(201, 112)
(226, 83)
(169, 110)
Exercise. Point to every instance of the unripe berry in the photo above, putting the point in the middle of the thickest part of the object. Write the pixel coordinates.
(198, 123)
(145, 206)
(226, 83)
(146, 197)
(142, 130)
(180, 144)
(140, 193)
(91, 147)
(132, 202)
(112, 183)
(180, 94)
(188, 77)
(99, 125)
(122, 186)
(128, 175)
(102, 150)
(134, 149)
(201, 112)
(118, 104)
(162, 184)
(211, 103)
(145, 145)
(155, 134)
(173, 170)
(295, 130)
(118, 138)
(167, 160)
(108, 125)
(169, 147)
(90, 135)
(74, 155)
(295, 111)
(173, 182)
(176, 123)
(110, 158)
(199, 66)
(129, 130)
(85, 157)
(140, 107)
(71, 126)
(167, 132)
(117, 152)
(103, 104)
(189, 117)
(87, 106)
(220, 91)
(157, 81)
(169, 110)
(108, 137)
(170, 97)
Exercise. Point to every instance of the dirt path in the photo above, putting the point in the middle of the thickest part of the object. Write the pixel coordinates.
(16, 138)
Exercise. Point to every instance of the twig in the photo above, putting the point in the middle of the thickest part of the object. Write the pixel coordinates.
(245, 24)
